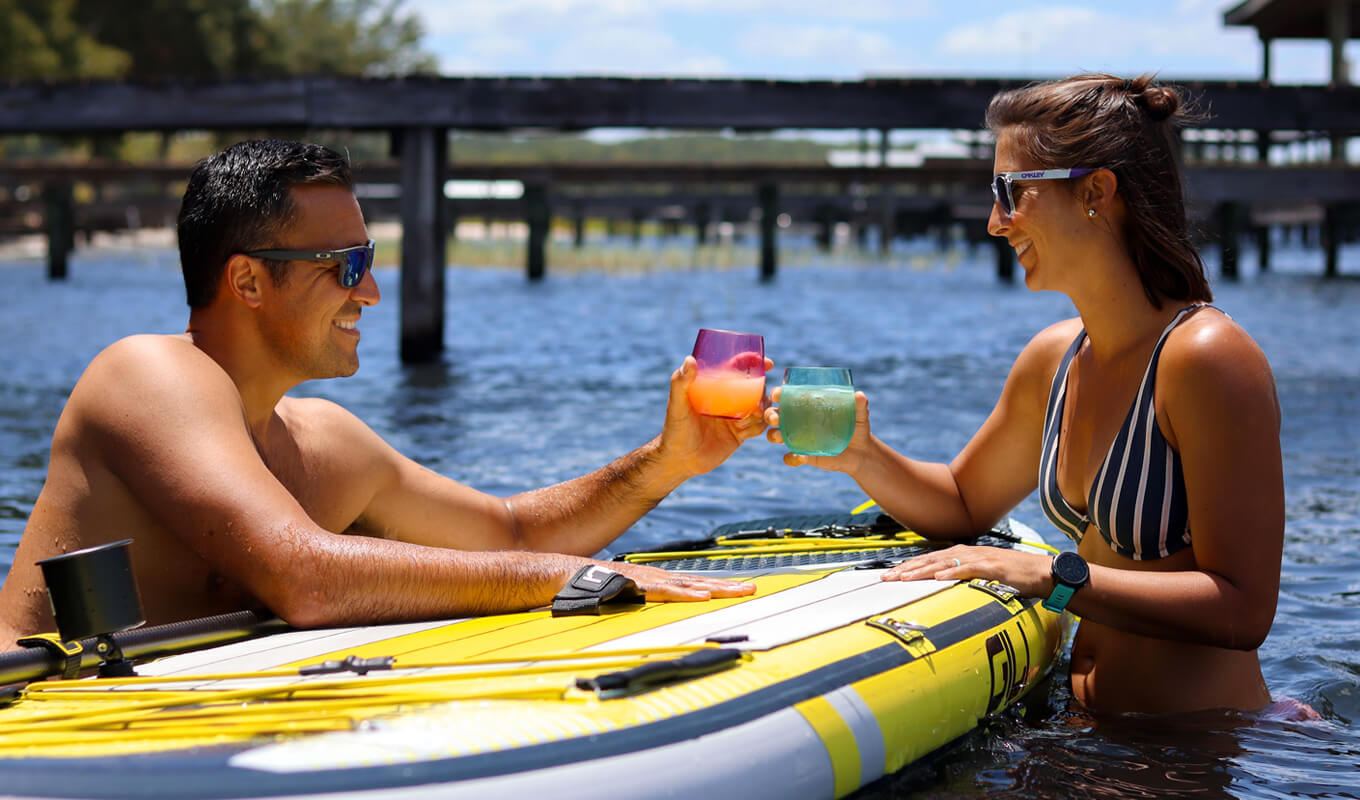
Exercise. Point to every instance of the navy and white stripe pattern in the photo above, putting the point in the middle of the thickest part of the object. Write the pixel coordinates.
(1137, 501)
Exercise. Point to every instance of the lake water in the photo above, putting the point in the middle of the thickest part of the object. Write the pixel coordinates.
(543, 382)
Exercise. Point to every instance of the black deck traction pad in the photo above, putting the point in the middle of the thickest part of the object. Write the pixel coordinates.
(828, 525)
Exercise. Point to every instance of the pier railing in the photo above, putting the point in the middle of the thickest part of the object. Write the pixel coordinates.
(1285, 129)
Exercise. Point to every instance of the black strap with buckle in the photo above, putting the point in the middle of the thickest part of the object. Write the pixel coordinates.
(67, 653)
(591, 588)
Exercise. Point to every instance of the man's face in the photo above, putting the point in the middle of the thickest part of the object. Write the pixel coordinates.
(314, 323)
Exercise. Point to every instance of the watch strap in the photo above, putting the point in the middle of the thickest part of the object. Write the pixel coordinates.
(1057, 601)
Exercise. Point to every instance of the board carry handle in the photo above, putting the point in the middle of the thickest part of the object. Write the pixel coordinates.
(693, 665)
(38, 662)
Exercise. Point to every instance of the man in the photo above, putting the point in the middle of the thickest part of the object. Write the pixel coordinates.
(238, 496)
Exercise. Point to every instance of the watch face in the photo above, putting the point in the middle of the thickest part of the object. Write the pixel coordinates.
(1071, 569)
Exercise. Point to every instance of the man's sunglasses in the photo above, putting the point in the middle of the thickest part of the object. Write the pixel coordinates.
(1001, 184)
(354, 261)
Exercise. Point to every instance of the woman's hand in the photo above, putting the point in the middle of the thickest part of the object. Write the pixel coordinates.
(849, 459)
(1028, 573)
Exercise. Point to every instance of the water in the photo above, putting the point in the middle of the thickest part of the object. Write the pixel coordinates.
(542, 383)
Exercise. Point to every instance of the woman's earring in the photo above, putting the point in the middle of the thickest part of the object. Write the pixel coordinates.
(1090, 212)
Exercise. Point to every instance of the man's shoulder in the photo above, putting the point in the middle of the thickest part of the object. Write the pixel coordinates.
(145, 368)
(148, 350)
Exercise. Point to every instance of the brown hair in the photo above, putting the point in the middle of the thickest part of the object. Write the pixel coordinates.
(1128, 127)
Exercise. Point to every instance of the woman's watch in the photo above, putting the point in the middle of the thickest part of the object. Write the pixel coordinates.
(1070, 573)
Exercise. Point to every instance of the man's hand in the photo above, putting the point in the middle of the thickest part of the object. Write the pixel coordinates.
(693, 444)
(660, 584)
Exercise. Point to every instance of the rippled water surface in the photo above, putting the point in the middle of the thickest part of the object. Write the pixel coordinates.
(543, 382)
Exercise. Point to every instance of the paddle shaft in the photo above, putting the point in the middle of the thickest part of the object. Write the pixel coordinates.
(35, 663)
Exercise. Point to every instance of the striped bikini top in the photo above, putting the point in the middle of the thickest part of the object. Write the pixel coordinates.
(1137, 501)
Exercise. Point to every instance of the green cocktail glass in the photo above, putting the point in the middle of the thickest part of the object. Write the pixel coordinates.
(817, 410)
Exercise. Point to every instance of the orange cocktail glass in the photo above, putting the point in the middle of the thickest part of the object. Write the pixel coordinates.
(731, 379)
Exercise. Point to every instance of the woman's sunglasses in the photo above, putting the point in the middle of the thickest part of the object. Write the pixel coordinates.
(354, 261)
(1001, 184)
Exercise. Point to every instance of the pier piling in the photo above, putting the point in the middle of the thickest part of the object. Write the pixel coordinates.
(539, 217)
(61, 227)
(1229, 236)
(424, 152)
(769, 220)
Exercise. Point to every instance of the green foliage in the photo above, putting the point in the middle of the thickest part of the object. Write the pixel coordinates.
(206, 39)
(43, 39)
(342, 37)
(177, 38)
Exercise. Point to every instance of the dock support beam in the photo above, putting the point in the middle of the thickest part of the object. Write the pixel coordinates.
(769, 214)
(539, 217)
(888, 222)
(1229, 237)
(424, 152)
(1263, 248)
(1338, 31)
(1333, 231)
(703, 215)
(825, 227)
(1005, 260)
(61, 228)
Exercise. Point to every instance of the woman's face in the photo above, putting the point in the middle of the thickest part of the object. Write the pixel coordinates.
(1047, 226)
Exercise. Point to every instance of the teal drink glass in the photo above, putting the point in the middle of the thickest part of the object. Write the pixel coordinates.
(817, 410)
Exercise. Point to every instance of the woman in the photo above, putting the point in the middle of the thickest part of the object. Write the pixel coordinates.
(1149, 423)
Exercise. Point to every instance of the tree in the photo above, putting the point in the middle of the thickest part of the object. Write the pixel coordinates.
(178, 38)
(342, 37)
(42, 39)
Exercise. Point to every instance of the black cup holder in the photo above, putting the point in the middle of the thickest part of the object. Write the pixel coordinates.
(94, 594)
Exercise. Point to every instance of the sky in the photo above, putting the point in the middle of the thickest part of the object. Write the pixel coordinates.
(854, 39)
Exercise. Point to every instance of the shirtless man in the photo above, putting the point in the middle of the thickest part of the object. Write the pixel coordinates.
(237, 496)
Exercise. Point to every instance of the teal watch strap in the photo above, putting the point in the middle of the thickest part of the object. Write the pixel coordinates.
(1057, 601)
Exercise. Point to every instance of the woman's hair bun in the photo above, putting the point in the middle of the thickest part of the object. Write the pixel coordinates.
(1159, 101)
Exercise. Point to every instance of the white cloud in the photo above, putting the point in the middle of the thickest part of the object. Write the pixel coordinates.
(525, 17)
(1065, 39)
(620, 50)
(880, 10)
(814, 44)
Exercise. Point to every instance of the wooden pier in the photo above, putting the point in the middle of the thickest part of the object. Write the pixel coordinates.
(1262, 119)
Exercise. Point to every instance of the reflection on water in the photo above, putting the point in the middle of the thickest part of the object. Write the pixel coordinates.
(541, 383)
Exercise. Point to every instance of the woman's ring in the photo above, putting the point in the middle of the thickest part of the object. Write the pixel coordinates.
(957, 563)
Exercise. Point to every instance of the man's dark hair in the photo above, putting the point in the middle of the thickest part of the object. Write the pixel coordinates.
(238, 200)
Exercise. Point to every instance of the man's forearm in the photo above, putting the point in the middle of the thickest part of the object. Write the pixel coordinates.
(387, 581)
(585, 514)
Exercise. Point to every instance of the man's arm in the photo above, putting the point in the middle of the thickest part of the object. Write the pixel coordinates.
(168, 421)
(579, 516)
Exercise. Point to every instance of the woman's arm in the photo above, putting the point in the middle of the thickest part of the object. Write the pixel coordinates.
(1218, 409)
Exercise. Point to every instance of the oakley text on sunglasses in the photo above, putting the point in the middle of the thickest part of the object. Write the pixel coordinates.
(354, 261)
(1001, 184)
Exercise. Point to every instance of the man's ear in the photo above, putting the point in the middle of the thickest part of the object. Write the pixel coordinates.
(244, 277)
(1099, 192)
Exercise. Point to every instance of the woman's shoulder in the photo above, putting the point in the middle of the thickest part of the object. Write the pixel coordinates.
(1209, 340)
(1209, 360)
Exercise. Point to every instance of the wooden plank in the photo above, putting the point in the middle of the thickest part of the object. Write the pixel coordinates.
(580, 103)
